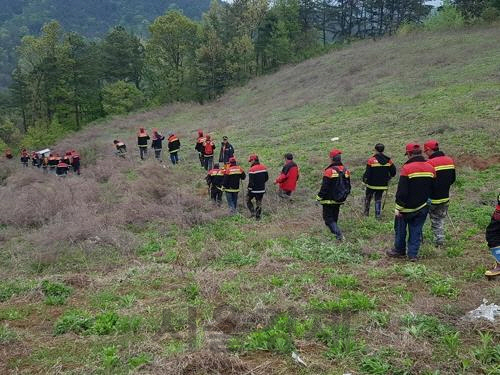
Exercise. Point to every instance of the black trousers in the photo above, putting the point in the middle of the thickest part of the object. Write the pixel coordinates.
(331, 216)
(216, 196)
(257, 210)
(378, 200)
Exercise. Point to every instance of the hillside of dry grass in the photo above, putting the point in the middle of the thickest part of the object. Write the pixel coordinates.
(143, 275)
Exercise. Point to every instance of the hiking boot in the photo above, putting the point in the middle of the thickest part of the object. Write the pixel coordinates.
(439, 244)
(493, 272)
(393, 253)
(413, 259)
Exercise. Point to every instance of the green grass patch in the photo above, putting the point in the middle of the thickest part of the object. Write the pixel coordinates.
(347, 301)
(55, 293)
(13, 288)
(81, 322)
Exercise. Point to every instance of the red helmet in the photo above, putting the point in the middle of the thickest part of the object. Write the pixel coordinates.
(335, 152)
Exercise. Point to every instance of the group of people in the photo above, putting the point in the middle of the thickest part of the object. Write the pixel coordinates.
(50, 162)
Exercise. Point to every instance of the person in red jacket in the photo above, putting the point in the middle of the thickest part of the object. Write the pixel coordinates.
(493, 239)
(208, 153)
(287, 180)
(257, 178)
(25, 157)
(416, 183)
(440, 197)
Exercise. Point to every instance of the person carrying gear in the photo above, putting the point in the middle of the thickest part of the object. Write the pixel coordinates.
(67, 158)
(121, 148)
(226, 151)
(440, 197)
(199, 147)
(287, 180)
(493, 239)
(335, 188)
(62, 169)
(157, 144)
(208, 153)
(379, 171)
(75, 162)
(35, 160)
(416, 183)
(142, 142)
(257, 178)
(174, 146)
(25, 157)
(54, 160)
(233, 175)
(8, 154)
(215, 179)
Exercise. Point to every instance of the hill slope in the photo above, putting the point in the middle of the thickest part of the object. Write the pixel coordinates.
(149, 261)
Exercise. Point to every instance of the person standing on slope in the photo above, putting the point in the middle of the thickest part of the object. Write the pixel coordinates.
(233, 175)
(25, 157)
(493, 239)
(379, 171)
(208, 153)
(416, 183)
(257, 178)
(157, 144)
(334, 191)
(75, 162)
(215, 179)
(440, 197)
(8, 154)
(174, 145)
(199, 147)
(142, 142)
(287, 180)
(226, 151)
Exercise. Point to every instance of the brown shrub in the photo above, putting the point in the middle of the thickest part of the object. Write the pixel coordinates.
(203, 362)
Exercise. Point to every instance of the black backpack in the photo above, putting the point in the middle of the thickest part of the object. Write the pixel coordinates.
(342, 187)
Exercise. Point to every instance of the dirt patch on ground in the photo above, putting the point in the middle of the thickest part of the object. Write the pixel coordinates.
(204, 362)
(476, 162)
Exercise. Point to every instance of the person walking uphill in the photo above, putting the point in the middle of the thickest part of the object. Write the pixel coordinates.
(157, 144)
(226, 151)
(287, 180)
(379, 171)
(335, 189)
(208, 153)
(493, 239)
(233, 175)
(199, 147)
(440, 197)
(415, 186)
(215, 179)
(142, 142)
(257, 178)
(174, 145)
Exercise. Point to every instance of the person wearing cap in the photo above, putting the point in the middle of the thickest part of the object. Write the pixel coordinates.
(335, 188)
(233, 175)
(440, 197)
(142, 143)
(226, 151)
(416, 182)
(208, 152)
(257, 178)
(174, 145)
(25, 157)
(214, 180)
(157, 144)
(199, 147)
(493, 239)
(379, 171)
(287, 180)
(121, 148)
(75, 162)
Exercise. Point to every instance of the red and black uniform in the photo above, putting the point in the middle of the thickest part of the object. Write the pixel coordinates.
(287, 180)
(66, 158)
(174, 144)
(75, 163)
(445, 177)
(199, 146)
(257, 178)
(53, 162)
(328, 193)
(62, 169)
(142, 142)
(416, 184)
(208, 153)
(232, 177)
(25, 158)
(35, 160)
(215, 178)
(379, 171)
(493, 239)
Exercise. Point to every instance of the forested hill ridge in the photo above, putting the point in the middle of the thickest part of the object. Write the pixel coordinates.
(91, 18)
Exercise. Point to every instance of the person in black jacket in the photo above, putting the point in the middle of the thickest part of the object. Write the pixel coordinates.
(226, 151)
(335, 188)
(174, 145)
(493, 239)
(379, 171)
(157, 144)
(142, 143)
(233, 175)
(257, 178)
(214, 180)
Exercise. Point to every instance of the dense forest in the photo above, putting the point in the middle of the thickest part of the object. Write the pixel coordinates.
(64, 79)
(91, 18)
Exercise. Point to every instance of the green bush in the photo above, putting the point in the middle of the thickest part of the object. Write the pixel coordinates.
(55, 293)
(490, 14)
(348, 301)
(110, 357)
(121, 97)
(12, 288)
(73, 321)
(105, 323)
(81, 322)
(449, 17)
(140, 360)
(41, 136)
